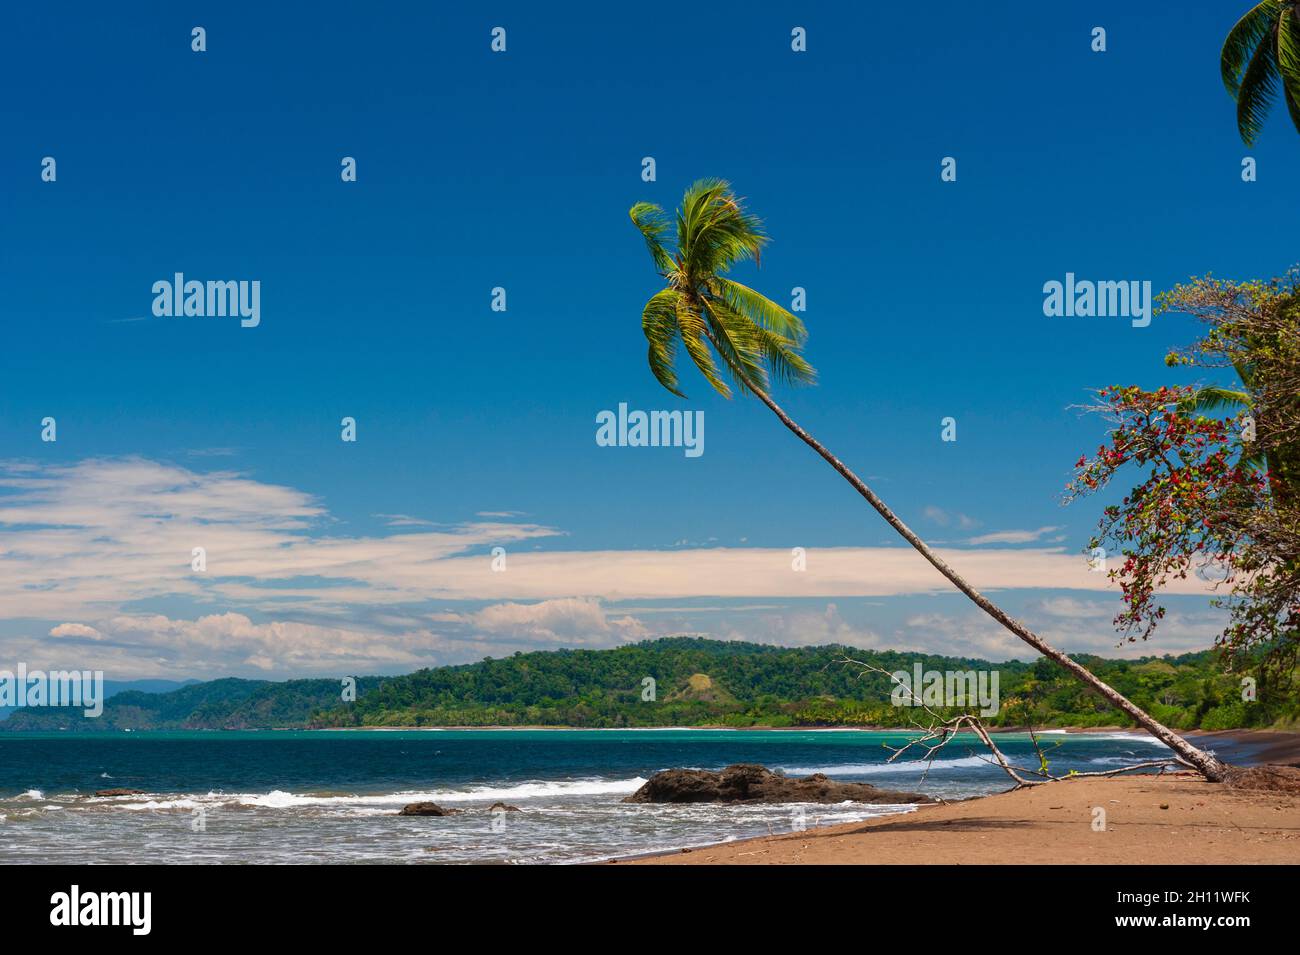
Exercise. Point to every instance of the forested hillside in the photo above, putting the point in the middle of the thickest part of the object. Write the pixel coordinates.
(696, 682)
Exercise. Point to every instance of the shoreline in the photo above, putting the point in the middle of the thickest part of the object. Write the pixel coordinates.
(1169, 819)
(1254, 734)
(1048, 731)
(1163, 816)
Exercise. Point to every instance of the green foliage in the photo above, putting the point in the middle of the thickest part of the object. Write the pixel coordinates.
(1260, 57)
(1226, 717)
(748, 685)
(755, 339)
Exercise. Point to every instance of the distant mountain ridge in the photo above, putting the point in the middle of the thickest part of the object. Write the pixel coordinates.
(673, 681)
(114, 687)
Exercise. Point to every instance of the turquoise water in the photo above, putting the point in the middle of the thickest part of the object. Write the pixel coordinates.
(332, 797)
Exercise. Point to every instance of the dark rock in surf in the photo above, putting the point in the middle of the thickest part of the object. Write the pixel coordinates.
(427, 809)
(749, 783)
(119, 792)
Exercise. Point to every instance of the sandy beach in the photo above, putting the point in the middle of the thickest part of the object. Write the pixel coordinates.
(1175, 818)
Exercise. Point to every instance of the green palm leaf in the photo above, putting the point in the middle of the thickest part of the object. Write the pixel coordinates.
(782, 356)
(1242, 41)
(761, 309)
(1258, 89)
(717, 320)
(1292, 106)
(735, 338)
(1256, 462)
(1211, 400)
(659, 322)
(1288, 61)
(691, 327)
(713, 231)
(649, 219)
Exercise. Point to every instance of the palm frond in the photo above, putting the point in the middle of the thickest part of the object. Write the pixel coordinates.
(784, 362)
(692, 327)
(1242, 41)
(713, 230)
(1258, 88)
(1288, 61)
(659, 323)
(1292, 105)
(736, 339)
(1256, 462)
(715, 318)
(767, 354)
(1211, 400)
(761, 309)
(650, 220)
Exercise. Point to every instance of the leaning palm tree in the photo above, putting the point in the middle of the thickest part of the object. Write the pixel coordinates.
(1261, 53)
(733, 333)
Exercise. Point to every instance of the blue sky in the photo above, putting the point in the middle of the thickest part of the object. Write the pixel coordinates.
(478, 170)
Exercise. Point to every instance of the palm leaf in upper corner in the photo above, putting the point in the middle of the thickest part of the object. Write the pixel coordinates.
(1288, 61)
(1258, 89)
(1242, 41)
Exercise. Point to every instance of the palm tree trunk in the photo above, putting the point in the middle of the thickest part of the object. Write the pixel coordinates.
(1205, 763)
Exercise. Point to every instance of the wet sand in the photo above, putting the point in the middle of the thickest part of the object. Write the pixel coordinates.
(1175, 818)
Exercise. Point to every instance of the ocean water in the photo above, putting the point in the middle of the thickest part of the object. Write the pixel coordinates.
(333, 797)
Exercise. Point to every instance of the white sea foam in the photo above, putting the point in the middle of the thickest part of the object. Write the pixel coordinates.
(362, 804)
(901, 766)
(183, 802)
(1122, 737)
(279, 799)
(1119, 760)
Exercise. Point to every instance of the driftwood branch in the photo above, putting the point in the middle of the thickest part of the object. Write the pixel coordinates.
(941, 731)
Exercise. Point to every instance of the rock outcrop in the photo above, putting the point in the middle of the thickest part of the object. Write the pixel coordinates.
(119, 792)
(427, 809)
(750, 783)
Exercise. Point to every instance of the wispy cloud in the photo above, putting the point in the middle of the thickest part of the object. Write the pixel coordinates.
(212, 452)
(102, 550)
(574, 620)
(937, 515)
(91, 537)
(1013, 537)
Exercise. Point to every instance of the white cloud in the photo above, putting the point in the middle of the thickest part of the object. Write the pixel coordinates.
(1072, 609)
(155, 645)
(76, 630)
(84, 539)
(1012, 537)
(87, 546)
(87, 539)
(937, 515)
(570, 620)
(805, 628)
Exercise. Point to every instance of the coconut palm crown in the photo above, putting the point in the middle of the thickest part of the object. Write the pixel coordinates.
(1261, 54)
(755, 339)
